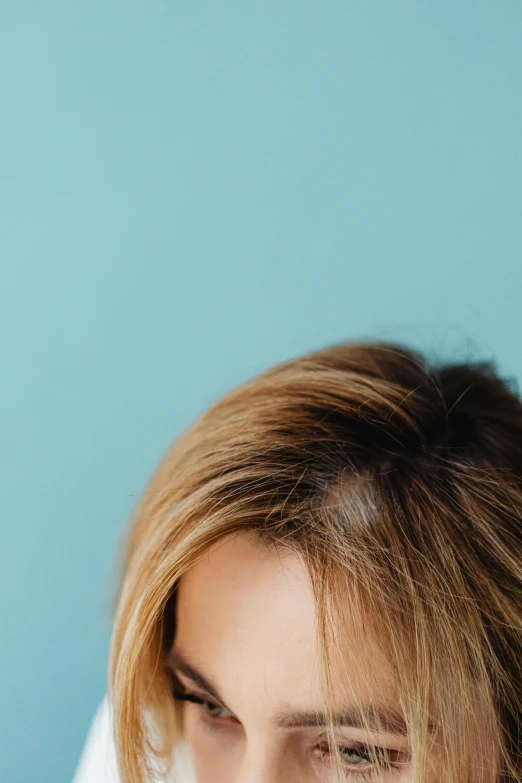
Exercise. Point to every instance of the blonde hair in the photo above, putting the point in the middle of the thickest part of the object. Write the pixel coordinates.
(400, 483)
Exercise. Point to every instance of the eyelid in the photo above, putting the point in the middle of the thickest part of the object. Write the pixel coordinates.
(196, 691)
(197, 698)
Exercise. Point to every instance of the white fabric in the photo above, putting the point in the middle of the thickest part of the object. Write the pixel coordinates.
(97, 762)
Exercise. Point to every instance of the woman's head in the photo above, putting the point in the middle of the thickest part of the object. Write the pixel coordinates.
(340, 537)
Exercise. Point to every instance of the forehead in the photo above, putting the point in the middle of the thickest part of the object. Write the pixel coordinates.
(246, 618)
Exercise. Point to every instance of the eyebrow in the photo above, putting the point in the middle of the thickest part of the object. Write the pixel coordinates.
(373, 717)
(176, 662)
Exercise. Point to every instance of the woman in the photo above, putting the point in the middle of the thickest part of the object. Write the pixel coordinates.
(323, 582)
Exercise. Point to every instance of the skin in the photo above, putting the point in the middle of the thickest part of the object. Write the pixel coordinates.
(246, 645)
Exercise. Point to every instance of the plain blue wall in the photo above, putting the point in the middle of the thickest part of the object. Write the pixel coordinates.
(191, 191)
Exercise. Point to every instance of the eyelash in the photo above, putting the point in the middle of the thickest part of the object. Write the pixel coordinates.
(212, 723)
(187, 696)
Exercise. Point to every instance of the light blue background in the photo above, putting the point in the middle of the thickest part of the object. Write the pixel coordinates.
(191, 191)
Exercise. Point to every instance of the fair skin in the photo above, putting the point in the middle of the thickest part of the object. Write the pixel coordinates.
(245, 656)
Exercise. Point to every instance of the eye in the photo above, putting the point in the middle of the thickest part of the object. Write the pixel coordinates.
(214, 710)
(354, 757)
(209, 708)
(358, 759)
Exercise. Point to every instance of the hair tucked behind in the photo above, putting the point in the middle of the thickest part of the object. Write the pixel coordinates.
(401, 485)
